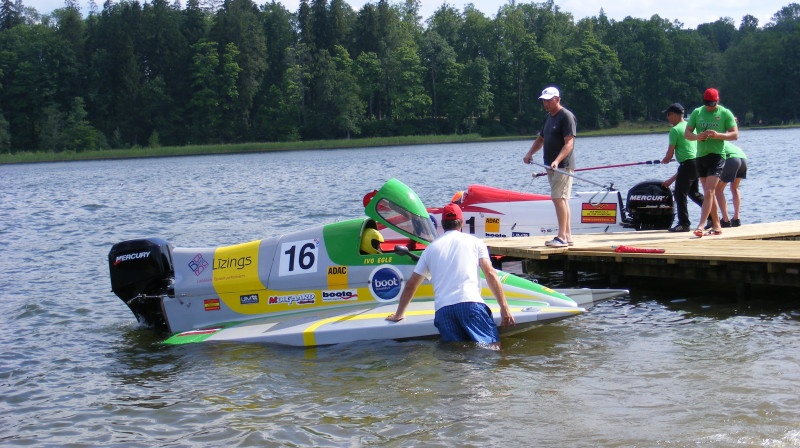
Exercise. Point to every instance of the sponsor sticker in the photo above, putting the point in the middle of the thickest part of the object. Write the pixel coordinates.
(645, 197)
(211, 304)
(237, 263)
(340, 295)
(337, 276)
(603, 213)
(235, 269)
(492, 225)
(307, 298)
(128, 257)
(248, 299)
(385, 282)
(198, 264)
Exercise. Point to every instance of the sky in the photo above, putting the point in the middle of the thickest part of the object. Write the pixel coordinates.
(690, 13)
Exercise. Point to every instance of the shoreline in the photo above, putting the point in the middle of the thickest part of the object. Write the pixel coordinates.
(241, 148)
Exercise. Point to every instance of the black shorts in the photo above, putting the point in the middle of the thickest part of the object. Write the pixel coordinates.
(710, 165)
(735, 168)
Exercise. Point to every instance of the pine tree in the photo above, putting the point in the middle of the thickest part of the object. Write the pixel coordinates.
(10, 14)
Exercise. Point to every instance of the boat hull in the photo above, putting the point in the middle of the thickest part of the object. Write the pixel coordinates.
(363, 324)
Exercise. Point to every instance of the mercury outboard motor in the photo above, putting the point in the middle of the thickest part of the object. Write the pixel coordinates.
(141, 274)
(650, 206)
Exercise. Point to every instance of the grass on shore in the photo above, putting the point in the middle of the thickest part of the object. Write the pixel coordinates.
(625, 128)
(170, 151)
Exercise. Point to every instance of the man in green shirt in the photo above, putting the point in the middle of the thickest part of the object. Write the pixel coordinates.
(715, 125)
(686, 177)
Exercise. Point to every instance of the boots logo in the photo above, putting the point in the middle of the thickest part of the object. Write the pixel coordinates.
(385, 282)
(339, 295)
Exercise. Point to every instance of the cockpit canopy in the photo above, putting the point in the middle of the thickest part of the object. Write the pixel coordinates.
(396, 206)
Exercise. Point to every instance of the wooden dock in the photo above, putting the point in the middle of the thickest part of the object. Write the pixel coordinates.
(754, 254)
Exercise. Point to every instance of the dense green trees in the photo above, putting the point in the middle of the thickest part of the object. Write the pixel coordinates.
(232, 71)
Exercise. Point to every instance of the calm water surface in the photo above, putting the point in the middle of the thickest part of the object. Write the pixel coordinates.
(670, 367)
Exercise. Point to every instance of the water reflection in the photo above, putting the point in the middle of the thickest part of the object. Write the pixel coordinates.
(140, 360)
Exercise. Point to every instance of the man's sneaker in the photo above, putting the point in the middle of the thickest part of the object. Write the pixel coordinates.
(725, 223)
(735, 223)
(556, 242)
(708, 224)
(680, 228)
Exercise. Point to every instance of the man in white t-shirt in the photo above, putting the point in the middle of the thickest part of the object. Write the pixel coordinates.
(453, 262)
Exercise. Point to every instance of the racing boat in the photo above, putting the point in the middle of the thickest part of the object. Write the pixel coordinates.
(496, 213)
(324, 285)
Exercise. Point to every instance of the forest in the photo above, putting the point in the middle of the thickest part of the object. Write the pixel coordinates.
(132, 74)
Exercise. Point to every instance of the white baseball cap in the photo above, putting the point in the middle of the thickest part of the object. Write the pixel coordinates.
(550, 92)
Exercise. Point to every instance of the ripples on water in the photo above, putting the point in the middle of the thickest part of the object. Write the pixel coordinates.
(664, 367)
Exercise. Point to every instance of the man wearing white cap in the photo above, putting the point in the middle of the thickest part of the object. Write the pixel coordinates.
(557, 137)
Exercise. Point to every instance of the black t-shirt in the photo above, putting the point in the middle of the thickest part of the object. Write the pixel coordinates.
(555, 128)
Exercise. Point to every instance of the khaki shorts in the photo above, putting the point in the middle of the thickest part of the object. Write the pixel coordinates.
(560, 184)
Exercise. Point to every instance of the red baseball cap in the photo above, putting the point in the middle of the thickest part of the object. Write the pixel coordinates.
(711, 95)
(451, 212)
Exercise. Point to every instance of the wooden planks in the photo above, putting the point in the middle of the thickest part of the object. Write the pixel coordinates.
(747, 243)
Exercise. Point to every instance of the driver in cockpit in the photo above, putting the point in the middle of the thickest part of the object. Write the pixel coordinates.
(371, 242)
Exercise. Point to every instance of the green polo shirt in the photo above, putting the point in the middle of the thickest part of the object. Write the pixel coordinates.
(719, 120)
(733, 152)
(684, 149)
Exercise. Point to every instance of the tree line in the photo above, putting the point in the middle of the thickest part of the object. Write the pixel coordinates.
(128, 74)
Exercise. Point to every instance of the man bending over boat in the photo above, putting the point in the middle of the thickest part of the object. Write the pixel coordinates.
(452, 262)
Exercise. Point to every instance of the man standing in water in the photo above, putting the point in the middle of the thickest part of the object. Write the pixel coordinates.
(715, 125)
(558, 139)
(452, 262)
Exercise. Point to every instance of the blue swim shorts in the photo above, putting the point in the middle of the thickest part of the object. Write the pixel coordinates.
(466, 321)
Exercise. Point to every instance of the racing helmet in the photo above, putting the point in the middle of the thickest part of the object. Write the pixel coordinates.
(371, 242)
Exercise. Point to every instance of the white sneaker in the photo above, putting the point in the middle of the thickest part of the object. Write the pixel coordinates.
(556, 242)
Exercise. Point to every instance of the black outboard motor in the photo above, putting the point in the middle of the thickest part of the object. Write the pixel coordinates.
(141, 274)
(650, 206)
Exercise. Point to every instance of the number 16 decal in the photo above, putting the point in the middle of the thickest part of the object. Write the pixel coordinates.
(299, 257)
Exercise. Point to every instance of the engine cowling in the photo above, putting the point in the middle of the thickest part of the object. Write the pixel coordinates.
(650, 206)
(141, 274)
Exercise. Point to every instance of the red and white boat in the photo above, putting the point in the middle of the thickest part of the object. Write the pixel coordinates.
(496, 213)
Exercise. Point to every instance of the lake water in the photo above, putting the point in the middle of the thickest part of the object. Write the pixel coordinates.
(670, 367)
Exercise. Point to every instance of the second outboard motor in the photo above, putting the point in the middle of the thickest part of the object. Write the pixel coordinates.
(650, 206)
(141, 274)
